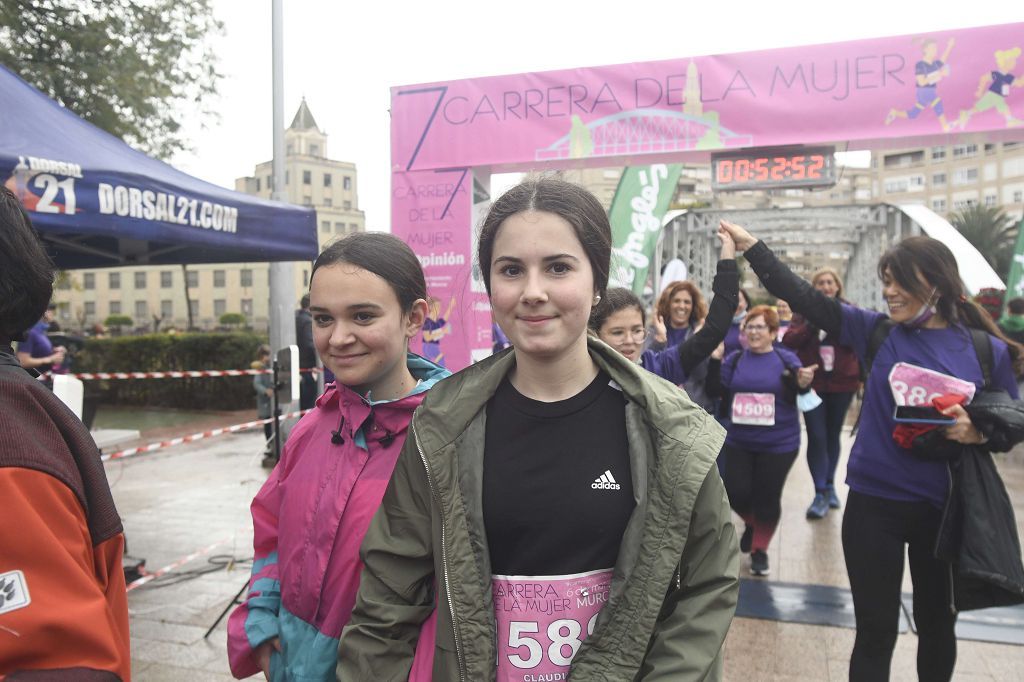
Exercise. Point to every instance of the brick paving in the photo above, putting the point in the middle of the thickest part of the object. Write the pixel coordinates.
(179, 500)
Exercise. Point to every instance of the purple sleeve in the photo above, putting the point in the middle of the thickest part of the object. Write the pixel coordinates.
(729, 367)
(789, 357)
(858, 324)
(664, 363)
(1002, 374)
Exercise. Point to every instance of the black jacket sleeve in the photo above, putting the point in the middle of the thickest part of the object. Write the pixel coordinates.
(822, 311)
(726, 289)
(713, 383)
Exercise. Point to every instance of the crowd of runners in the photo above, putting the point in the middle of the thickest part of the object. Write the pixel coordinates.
(578, 505)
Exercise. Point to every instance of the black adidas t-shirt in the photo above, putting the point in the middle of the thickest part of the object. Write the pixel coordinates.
(557, 488)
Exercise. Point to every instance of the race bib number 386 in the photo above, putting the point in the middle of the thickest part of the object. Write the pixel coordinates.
(542, 621)
(913, 385)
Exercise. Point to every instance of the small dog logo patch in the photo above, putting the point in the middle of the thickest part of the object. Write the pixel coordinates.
(13, 592)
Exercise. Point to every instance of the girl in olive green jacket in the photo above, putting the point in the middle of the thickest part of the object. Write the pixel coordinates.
(558, 505)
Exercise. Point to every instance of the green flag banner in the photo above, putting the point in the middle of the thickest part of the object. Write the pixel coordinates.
(640, 203)
(1015, 280)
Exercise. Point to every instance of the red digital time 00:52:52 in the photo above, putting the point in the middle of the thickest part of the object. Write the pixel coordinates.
(763, 169)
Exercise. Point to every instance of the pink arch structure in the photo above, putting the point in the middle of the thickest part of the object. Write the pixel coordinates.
(448, 137)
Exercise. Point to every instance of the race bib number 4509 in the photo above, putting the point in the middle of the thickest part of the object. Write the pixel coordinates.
(542, 621)
(913, 385)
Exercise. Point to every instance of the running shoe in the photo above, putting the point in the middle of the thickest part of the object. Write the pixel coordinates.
(747, 539)
(833, 499)
(759, 563)
(819, 507)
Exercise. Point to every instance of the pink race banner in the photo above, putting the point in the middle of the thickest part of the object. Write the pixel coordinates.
(862, 92)
(447, 137)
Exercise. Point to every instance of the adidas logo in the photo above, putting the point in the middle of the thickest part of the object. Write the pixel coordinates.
(605, 482)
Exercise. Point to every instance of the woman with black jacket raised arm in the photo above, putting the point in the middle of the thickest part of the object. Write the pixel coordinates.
(897, 496)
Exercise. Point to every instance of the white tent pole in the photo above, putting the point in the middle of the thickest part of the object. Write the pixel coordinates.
(282, 278)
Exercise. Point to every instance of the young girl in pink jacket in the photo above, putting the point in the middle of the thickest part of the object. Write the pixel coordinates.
(368, 298)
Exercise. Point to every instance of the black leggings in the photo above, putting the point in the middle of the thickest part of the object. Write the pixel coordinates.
(754, 482)
(875, 531)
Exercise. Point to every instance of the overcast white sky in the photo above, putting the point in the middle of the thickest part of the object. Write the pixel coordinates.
(344, 56)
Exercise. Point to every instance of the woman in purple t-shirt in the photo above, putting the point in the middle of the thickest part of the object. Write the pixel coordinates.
(896, 499)
(763, 428)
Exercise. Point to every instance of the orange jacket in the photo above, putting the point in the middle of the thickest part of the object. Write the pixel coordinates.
(63, 606)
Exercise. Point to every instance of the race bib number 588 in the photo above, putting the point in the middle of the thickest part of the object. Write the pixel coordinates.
(543, 621)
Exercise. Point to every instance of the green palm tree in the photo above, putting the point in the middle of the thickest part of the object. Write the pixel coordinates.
(991, 232)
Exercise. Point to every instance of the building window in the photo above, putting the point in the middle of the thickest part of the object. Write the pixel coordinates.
(938, 205)
(938, 153)
(166, 279)
(327, 179)
(220, 306)
(990, 149)
(90, 309)
(1018, 196)
(219, 278)
(963, 176)
(307, 201)
(166, 309)
(140, 280)
(964, 150)
(339, 228)
(64, 310)
(270, 183)
(114, 280)
(347, 205)
(192, 277)
(328, 201)
(325, 225)
(990, 199)
(939, 179)
(115, 307)
(141, 311)
(89, 280)
(246, 277)
(257, 184)
(247, 307)
(314, 150)
(960, 204)
(347, 183)
(307, 177)
(193, 308)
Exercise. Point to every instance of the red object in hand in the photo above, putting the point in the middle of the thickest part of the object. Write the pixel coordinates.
(904, 434)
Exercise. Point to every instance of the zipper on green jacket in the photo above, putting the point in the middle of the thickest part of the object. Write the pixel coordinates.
(444, 551)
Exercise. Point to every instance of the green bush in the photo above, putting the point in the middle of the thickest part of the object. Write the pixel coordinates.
(232, 319)
(173, 352)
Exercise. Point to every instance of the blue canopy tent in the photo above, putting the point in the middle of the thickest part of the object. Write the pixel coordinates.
(97, 202)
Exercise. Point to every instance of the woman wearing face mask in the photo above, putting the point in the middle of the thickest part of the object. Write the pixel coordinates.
(836, 380)
(759, 387)
(367, 299)
(785, 314)
(560, 503)
(734, 339)
(619, 321)
(896, 499)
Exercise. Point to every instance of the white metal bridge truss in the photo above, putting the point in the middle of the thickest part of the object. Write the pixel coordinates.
(860, 233)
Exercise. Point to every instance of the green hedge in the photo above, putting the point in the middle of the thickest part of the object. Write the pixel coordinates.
(169, 352)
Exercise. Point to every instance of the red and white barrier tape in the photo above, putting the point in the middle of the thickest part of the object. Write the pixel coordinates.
(174, 565)
(184, 374)
(131, 452)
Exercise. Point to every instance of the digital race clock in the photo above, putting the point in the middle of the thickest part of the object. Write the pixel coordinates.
(770, 168)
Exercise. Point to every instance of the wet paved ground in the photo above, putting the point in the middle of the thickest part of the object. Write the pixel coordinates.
(184, 499)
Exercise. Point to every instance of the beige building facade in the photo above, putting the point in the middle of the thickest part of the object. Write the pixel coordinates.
(154, 296)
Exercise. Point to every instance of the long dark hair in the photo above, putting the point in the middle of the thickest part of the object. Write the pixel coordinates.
(572, 203)
(921, 256)
(614, 300)
(26, 271)
(384, 255)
